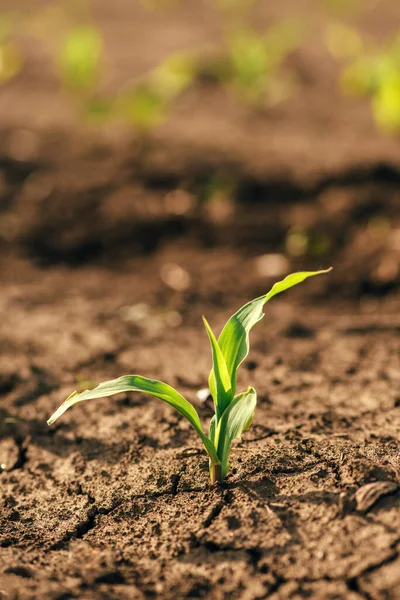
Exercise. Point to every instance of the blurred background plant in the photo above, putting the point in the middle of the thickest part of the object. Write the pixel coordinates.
(76, 47)
(249, 61)
(369, 68)
(11, 56)
(372, 70)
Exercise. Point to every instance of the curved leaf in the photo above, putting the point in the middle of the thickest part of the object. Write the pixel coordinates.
(136, 383)
(219, 380)
(212, 429)
(236, 419)
(211, 436)
(234, 339)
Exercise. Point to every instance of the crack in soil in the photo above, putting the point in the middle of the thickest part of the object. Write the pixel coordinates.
(213, 514)
(79, 531)
(87, 524)
(255, 554)
(175, 479)
(90, 521)
(22, 457)
(352, 583)
(355, 584)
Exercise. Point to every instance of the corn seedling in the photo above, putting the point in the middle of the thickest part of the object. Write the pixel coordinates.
(233, 412)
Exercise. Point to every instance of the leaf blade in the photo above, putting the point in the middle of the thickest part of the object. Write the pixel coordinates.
(219, 380)
(212, 429)
(234, 338)
(137, 383)
(292, 280)
(236, 419)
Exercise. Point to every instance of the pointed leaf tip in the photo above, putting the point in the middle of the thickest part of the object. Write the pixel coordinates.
(219, 380)
(234, 339)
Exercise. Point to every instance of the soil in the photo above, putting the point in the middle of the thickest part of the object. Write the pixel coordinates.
(108, 260)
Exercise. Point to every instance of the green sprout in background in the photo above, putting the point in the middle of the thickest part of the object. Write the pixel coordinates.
(233, 412)
(81, 64)
(250, 65)
(146, 102)
(143, 103)
(256, 60)
(11, 57)
(252, 62)
(80, 57)
(249, 62)
(370, 71)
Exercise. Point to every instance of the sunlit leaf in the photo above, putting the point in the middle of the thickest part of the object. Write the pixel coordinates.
(236, 419)
(136, 383)
(212, 429)
(234, 339)
(219, 380)
(233, 414)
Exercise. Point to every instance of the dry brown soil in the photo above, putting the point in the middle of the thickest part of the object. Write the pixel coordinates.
(114, 500)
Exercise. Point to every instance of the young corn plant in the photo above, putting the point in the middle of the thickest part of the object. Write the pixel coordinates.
(233, 412)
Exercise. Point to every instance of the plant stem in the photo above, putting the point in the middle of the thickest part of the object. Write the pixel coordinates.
(216, 473)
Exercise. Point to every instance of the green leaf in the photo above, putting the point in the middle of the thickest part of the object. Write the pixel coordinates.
(236, 419)
(136, 383)
(211, 436)
(80, 57)
(212, 429)
(234, 339)
(291, 281)
(219, 380)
